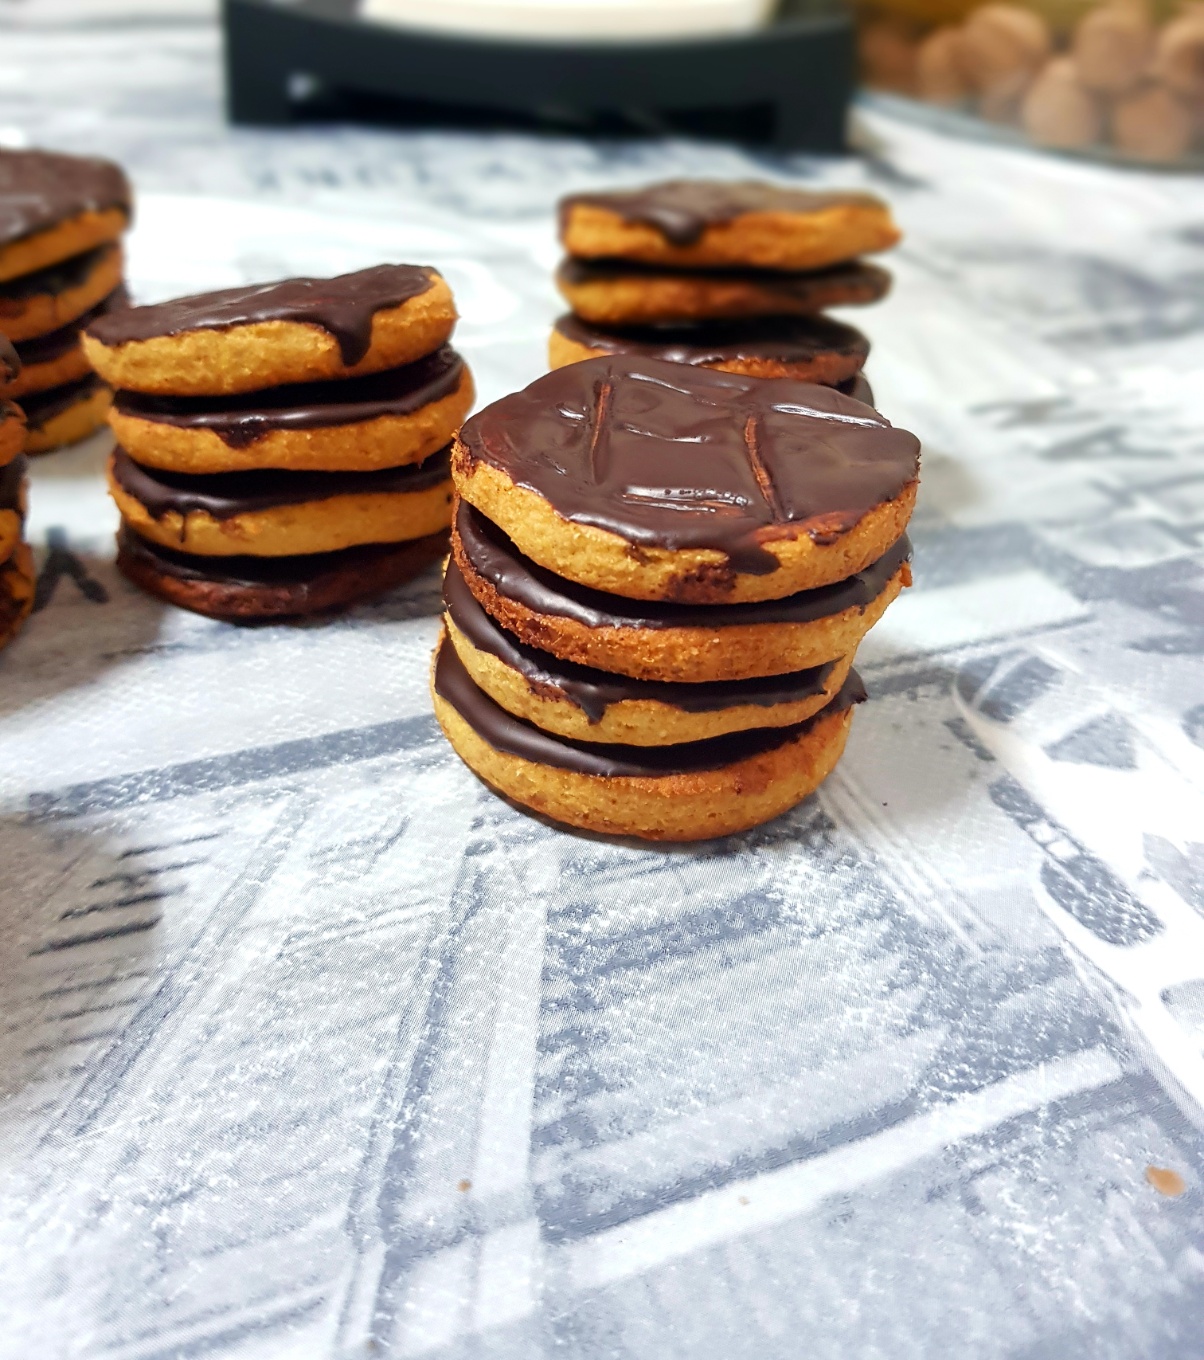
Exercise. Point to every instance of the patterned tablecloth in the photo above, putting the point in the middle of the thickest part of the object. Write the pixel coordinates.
(313, 1048)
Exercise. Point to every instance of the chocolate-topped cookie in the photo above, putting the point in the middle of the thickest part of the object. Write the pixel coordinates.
(680, 792)
(812, 349)
(54, 206)
(274, 513)
(664, 481)
(57, 357)
(659, 640)
(295, 331)
(65, 414)
(707, 223)
(626, 294)
(387, 419)
(39, 303)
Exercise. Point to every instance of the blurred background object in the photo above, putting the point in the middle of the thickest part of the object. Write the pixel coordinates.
(1121, 78)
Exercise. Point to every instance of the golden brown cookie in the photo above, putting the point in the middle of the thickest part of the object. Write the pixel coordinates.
(720, 224)
(297, 331)
(812, 349)
(662, 481)
(675, 642)
(65, 415)
(57, 358)
(12, 431)
(14, 502)
(624, 294)
(54, 206)
(18, 584)
(685, 792)
(255, 589)
(586, 704)
(37, 304)
(275, 513)
(398, 417)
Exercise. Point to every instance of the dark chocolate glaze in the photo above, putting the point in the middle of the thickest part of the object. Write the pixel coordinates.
(45, 349)
(682, 209)
(517, 578)
(855, 279)
(41, 407)
(342, 306)
(12, 478)
(787, 340)
(40, 189)
(593, 691)
(253, 572)
(56, 278)
(676, 457)
(514, 737)
(239, 421)
(10, 361)
(9, 410)
(223, 495)
(858, 388)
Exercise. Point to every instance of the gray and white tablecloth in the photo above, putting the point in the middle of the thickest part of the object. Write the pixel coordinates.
(314, 1049)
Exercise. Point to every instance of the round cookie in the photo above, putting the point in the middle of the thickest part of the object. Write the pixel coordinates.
(252, 589)
(812, 349)
(18, 585)
(299, 330)
(661, 481)
(625, 294)
(53, 297)
(690, 791)
(657, 641)
(54, 206)
(389, 419)
(280, 514)
(14, 498)
(57, 358)
(12, 431)
(592, 705)
(65, 415)
(717, 224)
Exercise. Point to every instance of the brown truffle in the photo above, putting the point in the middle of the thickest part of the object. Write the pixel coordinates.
(1152, 124)
(1058, 111)
(940, 76)
(1002, 48)
(1112, 46)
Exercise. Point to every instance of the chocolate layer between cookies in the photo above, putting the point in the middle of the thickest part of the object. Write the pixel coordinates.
(514, 737)
(241, 420)
(12, 482)
(10, 362)
(41, 407)
(45, 349)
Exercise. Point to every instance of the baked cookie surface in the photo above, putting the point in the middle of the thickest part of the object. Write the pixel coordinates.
(664, 481)
(18, 584)
(41, 302)
(387, 419)
(57, 357)
(809, 349)
(65, 415)
(659, 641)
(705, 223)
(54, 206)
(273, 513)
(625, 294)
(688, 791)
(295, 331)
(254, 589)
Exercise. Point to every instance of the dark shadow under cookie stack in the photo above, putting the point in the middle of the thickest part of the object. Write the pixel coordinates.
(283, 449)
(61, 267)
(733, 276)
(16, 561)
(660, 576)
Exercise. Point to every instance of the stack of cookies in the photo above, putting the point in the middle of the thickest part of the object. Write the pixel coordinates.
(283, 448)
(660, 575)
(16, 561)
(732, 276)
(61, 221)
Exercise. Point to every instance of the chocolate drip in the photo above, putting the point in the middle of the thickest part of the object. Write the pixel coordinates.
(223, 495)
(854, 280)
(516, 577)
(45, 349)
(675, 457)
(858, 388)
(593, 691)
(41, 407)
(63, 277)
(10, 361)
(40, 189)
(12, 479)
(342, 306)
(240, 421)
(788, 340)
(514, 737)
(681, 210)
